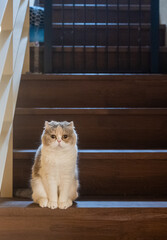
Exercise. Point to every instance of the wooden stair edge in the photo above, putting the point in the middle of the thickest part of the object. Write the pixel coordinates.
(78, 48)
(90, 111)
(94, 76)
(87, 203)
(26, 154)
(145, 2)
(122, 6)
(144, 26)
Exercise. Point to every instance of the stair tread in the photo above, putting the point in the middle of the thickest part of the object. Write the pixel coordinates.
(26, 154)
(87, 220)
(85, 111)
(111, 25)
(99, 48)
(94, 76)
(110, 6)
(91, 48)
(18, 203)
(121, 2)
(91, 151)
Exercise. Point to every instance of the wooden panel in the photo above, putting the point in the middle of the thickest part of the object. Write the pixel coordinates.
(97, 128)
(100, 12)
(100, 31)
(109, 173)
(93, 90)
(102, 223)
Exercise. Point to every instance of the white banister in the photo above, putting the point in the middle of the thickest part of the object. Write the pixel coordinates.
(163, 16)
(14, 60)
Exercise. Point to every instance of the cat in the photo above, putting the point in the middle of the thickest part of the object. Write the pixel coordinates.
(54, 180)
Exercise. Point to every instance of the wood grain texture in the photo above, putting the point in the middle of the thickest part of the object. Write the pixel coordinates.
(97, 128)
(109, 173)
(83, 223)
(96, 90)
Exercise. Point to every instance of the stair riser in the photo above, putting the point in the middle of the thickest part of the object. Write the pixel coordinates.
(98, 131)
(143, 2)
(109, 176)
(89, 36)
(101, 15)
(134, 65)
(93, 91)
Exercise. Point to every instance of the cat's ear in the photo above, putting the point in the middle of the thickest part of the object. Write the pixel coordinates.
(46, 125)
(71, 124)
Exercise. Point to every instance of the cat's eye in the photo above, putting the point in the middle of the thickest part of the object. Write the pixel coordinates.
(53, 136)
(65, 136)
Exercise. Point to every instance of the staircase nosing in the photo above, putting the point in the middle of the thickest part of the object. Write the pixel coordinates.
(94, 111)
(94, 77)
(132, 49)
(15, 203)
(125, 7)
(111, 154)
(91, 24)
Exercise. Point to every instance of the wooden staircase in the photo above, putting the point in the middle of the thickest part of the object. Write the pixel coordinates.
(127, 113)
(121, 121)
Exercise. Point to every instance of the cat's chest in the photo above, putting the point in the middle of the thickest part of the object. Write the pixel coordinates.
(57, 164)
(53, 161)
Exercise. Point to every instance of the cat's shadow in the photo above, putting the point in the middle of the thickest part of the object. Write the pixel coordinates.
(35, 205)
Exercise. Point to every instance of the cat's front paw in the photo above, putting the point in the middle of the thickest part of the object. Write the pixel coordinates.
(52, 204)
(43, 202)
(65, 205)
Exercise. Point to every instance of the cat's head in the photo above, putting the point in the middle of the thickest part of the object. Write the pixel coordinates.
(59, 134)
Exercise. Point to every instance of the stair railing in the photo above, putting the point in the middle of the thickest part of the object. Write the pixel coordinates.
(48, 36)
(155, 10)
(154, 39)
(14, 60)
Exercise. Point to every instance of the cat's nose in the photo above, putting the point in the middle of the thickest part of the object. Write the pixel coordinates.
(59, 140)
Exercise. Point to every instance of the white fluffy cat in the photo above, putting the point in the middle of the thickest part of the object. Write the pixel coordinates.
(54, 173)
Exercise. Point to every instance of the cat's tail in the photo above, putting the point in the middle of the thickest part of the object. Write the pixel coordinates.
(23, 193)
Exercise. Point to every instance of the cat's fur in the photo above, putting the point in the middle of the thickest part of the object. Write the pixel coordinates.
(54, 173)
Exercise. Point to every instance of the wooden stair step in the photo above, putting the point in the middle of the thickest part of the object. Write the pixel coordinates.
(90, 33)
(143, 2)
(86, 220)
(123, 173)
(98, 13)
(93, 90)
(126, 128)
(80, 59)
